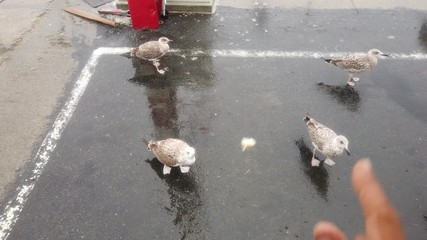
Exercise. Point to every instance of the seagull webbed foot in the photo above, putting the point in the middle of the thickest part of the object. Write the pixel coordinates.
(351, 83)
(329, 162)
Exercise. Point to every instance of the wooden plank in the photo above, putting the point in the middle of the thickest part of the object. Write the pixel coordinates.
(90, 16)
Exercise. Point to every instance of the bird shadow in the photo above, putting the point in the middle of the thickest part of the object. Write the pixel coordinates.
(152, 81)
(422, 38)
(185, 199)
(318, 176)
(346, 95)
(145, 68)
(146, 75)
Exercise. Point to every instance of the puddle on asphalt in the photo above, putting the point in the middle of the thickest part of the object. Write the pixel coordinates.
(186, 204)
(318, 176)
(423, 35)
(161, 91)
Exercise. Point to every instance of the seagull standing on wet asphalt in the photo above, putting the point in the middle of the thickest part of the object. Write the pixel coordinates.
(173, 153)
(356, 63)
(152, 51)
(326, 141)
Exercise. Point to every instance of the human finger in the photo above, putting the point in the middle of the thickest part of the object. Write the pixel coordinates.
(381, 219)
(327, 231)
(360, 237)
(384, 224)
(367, 187)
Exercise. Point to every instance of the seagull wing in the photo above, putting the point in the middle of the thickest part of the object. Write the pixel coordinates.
(166, 152)
(149, 51)
(353, 63)
(320, 134)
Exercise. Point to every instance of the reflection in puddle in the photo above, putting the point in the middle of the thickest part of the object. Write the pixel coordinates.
(261, 17)
(345, 95)
(185, 190)
(318, 176)
(162, 100)
(145, 73)
(185, 199)
(423, 35)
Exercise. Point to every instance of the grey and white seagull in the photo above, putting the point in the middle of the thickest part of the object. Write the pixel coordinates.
(356, 63)
(173, 153)
(326, 141)
(152, 51)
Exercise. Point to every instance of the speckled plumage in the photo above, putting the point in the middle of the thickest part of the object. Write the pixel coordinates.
(172, 153)
(325, 140)
(356, 63)
(152, 50)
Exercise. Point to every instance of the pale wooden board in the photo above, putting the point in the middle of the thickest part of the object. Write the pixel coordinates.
(90, 16)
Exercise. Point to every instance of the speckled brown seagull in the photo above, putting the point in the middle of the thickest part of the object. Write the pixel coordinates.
(173, 153)
(356, 63)
(326, 141)
(152, 51)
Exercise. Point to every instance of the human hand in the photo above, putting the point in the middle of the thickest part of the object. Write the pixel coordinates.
(382, 222)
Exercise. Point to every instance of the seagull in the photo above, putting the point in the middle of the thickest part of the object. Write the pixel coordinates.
(356, 63)
(173, 153)
(326, 141)
(152, 51)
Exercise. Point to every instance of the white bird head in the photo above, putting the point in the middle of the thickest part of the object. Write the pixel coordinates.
(342, 143)
(164, 40)
(376, 52)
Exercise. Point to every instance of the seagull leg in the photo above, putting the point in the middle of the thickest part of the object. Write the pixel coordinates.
(184, 169)
(157, 64)
(350, 80)
(314, 161)
(356, 79)
(166, 170)
(329, 162)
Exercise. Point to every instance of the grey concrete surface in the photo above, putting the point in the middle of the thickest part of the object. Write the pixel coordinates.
(37, 43)
(102, 183)
(329, 4)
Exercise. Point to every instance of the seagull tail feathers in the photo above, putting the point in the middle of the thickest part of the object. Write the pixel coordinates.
(307, 119)
(144, 140)
(133, 52)
(149, 144)
(130, 54)
(328, 60)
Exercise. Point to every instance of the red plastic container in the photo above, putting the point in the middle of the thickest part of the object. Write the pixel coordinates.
(144, 14)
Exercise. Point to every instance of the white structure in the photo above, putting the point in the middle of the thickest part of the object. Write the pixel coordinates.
(199, 6)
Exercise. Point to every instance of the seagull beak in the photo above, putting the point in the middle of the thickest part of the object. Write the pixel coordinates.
(385, 55)
(346, 150)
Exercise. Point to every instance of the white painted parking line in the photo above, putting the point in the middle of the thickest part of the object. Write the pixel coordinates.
(14, 207)
(287, 54)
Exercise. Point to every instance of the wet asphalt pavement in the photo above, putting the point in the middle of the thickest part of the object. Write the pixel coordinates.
(102, 182)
